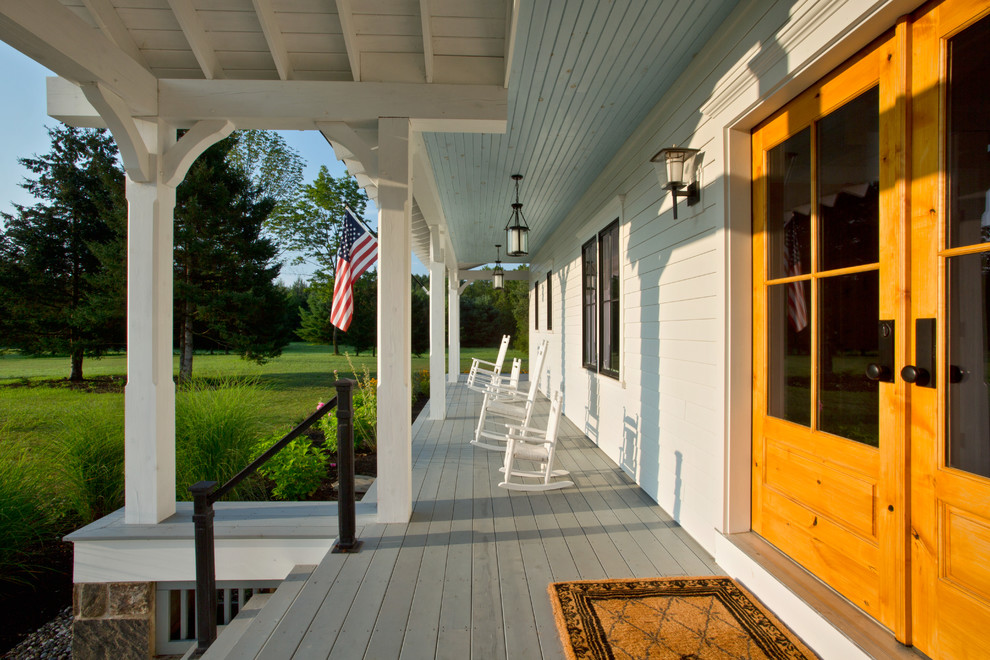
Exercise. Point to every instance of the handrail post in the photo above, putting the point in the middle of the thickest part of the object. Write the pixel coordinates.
(206, 576)
(345, 468)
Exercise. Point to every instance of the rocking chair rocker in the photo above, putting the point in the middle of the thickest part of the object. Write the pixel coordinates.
(532, 444)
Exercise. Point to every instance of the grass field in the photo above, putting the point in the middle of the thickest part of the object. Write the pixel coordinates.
(291, 385)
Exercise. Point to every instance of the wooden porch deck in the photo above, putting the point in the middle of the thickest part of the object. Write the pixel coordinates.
(467, 576)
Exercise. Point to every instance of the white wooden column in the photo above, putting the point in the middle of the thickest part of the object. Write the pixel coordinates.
(438, 384)
(394, 320)
(149, 397)
(454, 327)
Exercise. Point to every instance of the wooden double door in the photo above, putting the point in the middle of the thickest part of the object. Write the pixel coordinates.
(871, 241)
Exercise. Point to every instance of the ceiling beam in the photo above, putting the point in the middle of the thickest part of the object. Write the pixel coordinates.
(425, 14)
(192, 28)
(511, 24)
(427, 197)
(300, 103)
(273, 35)
(113, 28)
(53, 36)
(346, 18)
(351, 145)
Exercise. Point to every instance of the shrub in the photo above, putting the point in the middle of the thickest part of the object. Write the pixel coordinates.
(29, 512)
(88, 453)
(216, 427)
(297, 470)
(420, 384)
(365, 414)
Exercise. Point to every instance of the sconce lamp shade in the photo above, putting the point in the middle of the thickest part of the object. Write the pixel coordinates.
(498, 275)
(516, 230)
(676, 170)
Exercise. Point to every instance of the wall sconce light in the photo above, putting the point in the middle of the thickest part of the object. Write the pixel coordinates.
(676, 168)
(516, 230)
(498, 275)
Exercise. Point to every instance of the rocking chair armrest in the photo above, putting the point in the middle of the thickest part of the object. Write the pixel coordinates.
(525, 432)
(506, 390)
(478, 361)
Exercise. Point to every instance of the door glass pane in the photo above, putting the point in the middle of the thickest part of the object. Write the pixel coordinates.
(969, 136)
(968, 445)
(849, 183)
(848, 401)
(789, 348)
(789, 206)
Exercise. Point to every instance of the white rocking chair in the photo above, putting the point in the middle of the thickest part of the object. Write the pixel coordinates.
(480, 378)
(532, 444)
(508, 402)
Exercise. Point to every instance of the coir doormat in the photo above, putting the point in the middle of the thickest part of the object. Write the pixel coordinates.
(695, 618)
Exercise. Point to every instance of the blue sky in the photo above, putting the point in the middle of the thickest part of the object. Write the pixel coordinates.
(22, 114)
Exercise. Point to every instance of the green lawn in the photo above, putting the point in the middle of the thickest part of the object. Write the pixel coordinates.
(292, 384)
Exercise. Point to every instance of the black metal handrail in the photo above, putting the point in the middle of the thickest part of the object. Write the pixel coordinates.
(206, 493)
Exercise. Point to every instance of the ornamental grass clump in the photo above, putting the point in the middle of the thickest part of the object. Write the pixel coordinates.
(216, 429)
(30, 513)
(88, 456)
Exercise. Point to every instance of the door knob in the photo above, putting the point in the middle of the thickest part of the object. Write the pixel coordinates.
(916, 375)
(876, 371)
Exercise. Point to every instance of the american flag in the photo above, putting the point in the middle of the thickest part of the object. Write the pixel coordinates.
(358, 252)
(797, 303)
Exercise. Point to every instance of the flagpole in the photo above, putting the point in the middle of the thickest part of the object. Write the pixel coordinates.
(361, 220)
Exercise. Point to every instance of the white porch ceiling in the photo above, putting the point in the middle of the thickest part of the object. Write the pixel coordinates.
(581, 75)
(584, 74)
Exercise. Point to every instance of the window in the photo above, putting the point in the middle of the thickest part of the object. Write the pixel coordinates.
(549, 303)
(589, 304)
(536, 306)
(600, 301)
(608, 277)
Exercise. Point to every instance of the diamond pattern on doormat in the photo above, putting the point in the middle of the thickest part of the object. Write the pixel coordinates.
(694, 618)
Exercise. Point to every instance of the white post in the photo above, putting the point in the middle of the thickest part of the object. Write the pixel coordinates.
(438, 384)
(454, 327)
(149, 397)
(394, 321)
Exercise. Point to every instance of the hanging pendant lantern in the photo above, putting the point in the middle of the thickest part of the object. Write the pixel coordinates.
(517, 231)
(498, 275)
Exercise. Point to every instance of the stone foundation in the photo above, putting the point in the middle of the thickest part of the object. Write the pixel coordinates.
(113, 620)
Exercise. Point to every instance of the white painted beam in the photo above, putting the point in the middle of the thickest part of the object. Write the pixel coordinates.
(273, 35)
(113, 28)
(394, 320)
(300, 103)
(56, 38)
(511, 25)
(426, 14)
(453, 326)
(192, 28)
(438, 339)
(197, 139)
(130, 143)
(149, 396)
(346, 18)
(473, 275)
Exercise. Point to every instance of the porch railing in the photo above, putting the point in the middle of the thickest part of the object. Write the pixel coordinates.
(206, 493)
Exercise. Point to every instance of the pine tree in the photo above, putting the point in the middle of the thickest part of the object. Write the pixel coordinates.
(224, 267)
(55, 295)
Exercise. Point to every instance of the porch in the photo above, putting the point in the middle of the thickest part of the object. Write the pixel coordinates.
(467, 575)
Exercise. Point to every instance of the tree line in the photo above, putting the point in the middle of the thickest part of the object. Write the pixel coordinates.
(241, 209)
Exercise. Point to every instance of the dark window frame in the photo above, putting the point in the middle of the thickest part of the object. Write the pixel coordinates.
(589, 305)
(609, 301)
(536, 306)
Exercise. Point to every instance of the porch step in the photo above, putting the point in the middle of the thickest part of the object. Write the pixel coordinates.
(255, 623)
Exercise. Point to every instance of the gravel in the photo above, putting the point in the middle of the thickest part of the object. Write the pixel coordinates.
(52, 641)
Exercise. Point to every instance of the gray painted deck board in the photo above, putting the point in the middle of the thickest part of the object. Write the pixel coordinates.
(467, 576)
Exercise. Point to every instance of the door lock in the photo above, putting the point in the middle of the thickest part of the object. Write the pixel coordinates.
(883, 369)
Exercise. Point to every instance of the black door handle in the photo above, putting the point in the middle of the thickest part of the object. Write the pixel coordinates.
(916, 375)
(876, 371)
